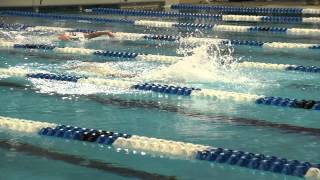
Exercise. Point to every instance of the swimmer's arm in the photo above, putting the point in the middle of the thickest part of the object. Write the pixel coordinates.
(97, 34)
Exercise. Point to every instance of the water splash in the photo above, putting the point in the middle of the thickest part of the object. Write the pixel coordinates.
(94, 69)
(70, 88)
(206, 63)
(25, 37)
(12, 36)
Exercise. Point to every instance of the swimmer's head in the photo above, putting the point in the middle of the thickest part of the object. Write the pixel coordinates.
(72, 36)
(64, 37)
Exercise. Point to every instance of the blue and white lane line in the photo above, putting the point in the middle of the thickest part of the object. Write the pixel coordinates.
(166, 147)
(170, 89)
(177, 39)
(213, 17)
(151, 57)
(247, 10)
(163, 24)
(83, 51)
(281, 67)
(217, 28)
(187, 41)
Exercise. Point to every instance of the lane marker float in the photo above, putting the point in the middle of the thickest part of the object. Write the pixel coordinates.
(247, 10)
(214, 17)
(171, 89)
(166, 147)
(163, 24)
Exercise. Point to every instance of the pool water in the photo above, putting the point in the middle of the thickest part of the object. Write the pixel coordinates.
(188, 119)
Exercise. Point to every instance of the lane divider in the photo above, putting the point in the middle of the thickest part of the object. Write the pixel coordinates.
(286, 67)
(65, 17)
(154, 58)
(255, 123)
(214, 17)
(171, 89)
(150, 57)
(247, 10)
(215, 27)
(226, 95)
(187, 40)
(14, 26)
(83, 51)
(167, 107)
(166, 147)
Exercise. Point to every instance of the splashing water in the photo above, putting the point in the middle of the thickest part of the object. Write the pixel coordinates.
(12, 35)
(70, 88)
(95, 69)
(206, 63)
(27, 37)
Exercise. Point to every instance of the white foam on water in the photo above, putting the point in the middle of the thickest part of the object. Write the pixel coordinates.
(71, 88)
(4, 76)
(26, 37)
(94, 69)
(206, 63)
(15, 36)
(23, 37)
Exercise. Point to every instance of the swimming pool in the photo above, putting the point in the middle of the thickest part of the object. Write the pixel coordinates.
(99, 96)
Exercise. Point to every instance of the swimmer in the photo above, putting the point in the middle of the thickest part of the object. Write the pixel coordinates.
(78, 36)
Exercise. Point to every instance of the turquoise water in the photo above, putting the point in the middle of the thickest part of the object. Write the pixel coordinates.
(186, 119)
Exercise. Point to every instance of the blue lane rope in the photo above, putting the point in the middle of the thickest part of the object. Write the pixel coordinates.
(53, 77)
(83, 134)
(279, 30)
(66, 17)
(274, 101)
(133, 55)
(15, 26)
(118, 54)
(176, 90)
(287, 102)
(168, 108)
(172, 59)
(215, 17)
(161, 37)
(244, 42)
(176, 38)
(219, 155)
(216, 27)
(246, 10)
(169, 148)
(313, 69)
(34, 46)
(256, 161)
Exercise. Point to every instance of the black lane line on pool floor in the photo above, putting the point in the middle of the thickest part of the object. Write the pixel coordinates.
(147, 104)
(33, 150)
